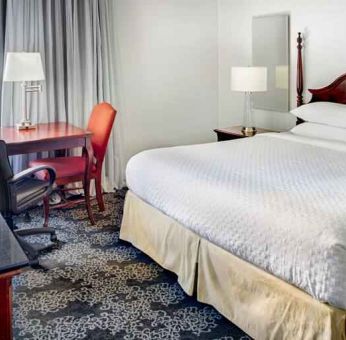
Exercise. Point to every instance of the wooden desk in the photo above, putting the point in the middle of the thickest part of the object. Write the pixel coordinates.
(48, 137)
(12, 258)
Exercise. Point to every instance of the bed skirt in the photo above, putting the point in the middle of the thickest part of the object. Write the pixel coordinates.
(262, 305)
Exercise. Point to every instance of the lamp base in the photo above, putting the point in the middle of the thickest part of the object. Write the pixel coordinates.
(26, 125)
(249, 131)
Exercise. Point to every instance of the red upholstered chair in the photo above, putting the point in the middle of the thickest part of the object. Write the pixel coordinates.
(72, 169)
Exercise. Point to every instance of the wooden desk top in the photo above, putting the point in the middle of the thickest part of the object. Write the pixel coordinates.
(42, 132)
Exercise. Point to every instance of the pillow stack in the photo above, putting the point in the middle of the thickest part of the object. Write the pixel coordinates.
(324, 120)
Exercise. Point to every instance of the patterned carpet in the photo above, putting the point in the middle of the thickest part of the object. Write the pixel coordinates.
(99, 287)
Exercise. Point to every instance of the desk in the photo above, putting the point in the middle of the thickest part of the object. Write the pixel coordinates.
(48, 137)
(12, 258)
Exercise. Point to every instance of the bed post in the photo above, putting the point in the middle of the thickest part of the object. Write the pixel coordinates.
(300, 78)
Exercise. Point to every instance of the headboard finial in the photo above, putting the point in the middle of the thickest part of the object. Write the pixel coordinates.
(300, 78)
(300, 39)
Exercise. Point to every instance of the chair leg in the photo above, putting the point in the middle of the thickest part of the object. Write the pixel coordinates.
(86, 185)
(28, 249)
(46, 211)
(9, 220)
(27, 217)
(99, 194)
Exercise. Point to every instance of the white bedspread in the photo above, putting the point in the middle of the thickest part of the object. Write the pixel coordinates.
(275, 200)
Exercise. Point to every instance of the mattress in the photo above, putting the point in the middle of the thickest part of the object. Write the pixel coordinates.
(277, 201)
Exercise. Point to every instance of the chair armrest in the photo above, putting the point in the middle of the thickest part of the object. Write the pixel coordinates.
(32, 171)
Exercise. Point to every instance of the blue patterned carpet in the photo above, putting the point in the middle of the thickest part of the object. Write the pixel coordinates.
(99, 287)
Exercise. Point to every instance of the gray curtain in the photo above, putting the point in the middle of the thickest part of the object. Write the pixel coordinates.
(2, 36)
(77, 42)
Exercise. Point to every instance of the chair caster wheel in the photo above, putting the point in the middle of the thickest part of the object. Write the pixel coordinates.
(34, 264)
(53, 238)
(27, 218)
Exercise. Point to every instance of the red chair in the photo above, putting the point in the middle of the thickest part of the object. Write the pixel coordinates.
(72, 169)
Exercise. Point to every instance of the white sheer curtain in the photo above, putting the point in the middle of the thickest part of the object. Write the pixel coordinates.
(77, 41)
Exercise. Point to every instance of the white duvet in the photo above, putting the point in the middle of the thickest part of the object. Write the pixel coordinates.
(275, 200)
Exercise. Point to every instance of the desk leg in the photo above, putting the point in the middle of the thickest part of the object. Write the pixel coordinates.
(5, 308)
(89, 154)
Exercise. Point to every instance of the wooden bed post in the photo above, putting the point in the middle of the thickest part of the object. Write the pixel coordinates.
(300, 78)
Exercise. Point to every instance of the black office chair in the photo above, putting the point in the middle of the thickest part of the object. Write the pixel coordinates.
(20, 192)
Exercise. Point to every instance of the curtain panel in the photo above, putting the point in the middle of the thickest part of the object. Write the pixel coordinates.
(2, 37)
(77, 42)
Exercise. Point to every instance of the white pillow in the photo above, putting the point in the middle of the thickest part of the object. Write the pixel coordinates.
(320, 131)
(323, 113)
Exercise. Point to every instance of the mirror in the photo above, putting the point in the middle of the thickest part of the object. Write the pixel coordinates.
(270, 48)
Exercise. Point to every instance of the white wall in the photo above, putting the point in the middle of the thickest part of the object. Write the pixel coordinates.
(168, 63)
(175, 57)
(323, 23)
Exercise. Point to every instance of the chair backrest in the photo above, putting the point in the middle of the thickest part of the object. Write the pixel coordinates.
(6, 173)
(100, 124)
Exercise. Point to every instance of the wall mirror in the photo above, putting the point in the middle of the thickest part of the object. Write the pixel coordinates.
(270, 48)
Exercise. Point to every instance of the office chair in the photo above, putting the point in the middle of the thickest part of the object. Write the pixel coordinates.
(20, 192)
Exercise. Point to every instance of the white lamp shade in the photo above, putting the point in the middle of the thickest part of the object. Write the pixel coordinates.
(23, 66)
(249, 79)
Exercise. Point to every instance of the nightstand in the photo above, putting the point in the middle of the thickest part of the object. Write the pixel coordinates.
(234, 132)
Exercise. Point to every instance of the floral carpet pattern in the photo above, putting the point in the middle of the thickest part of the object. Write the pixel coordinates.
(95, 286)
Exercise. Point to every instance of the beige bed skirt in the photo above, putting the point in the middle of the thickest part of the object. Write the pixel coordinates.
(262, 305)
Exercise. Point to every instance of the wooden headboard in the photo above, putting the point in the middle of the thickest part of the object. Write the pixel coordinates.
(335, 92)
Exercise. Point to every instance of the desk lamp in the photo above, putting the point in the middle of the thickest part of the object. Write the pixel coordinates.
(24, 67)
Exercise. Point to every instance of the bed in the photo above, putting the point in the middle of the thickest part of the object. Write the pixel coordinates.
(254, 227)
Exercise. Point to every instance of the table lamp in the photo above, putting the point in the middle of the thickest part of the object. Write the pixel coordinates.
(248, 80)
(24, 67)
